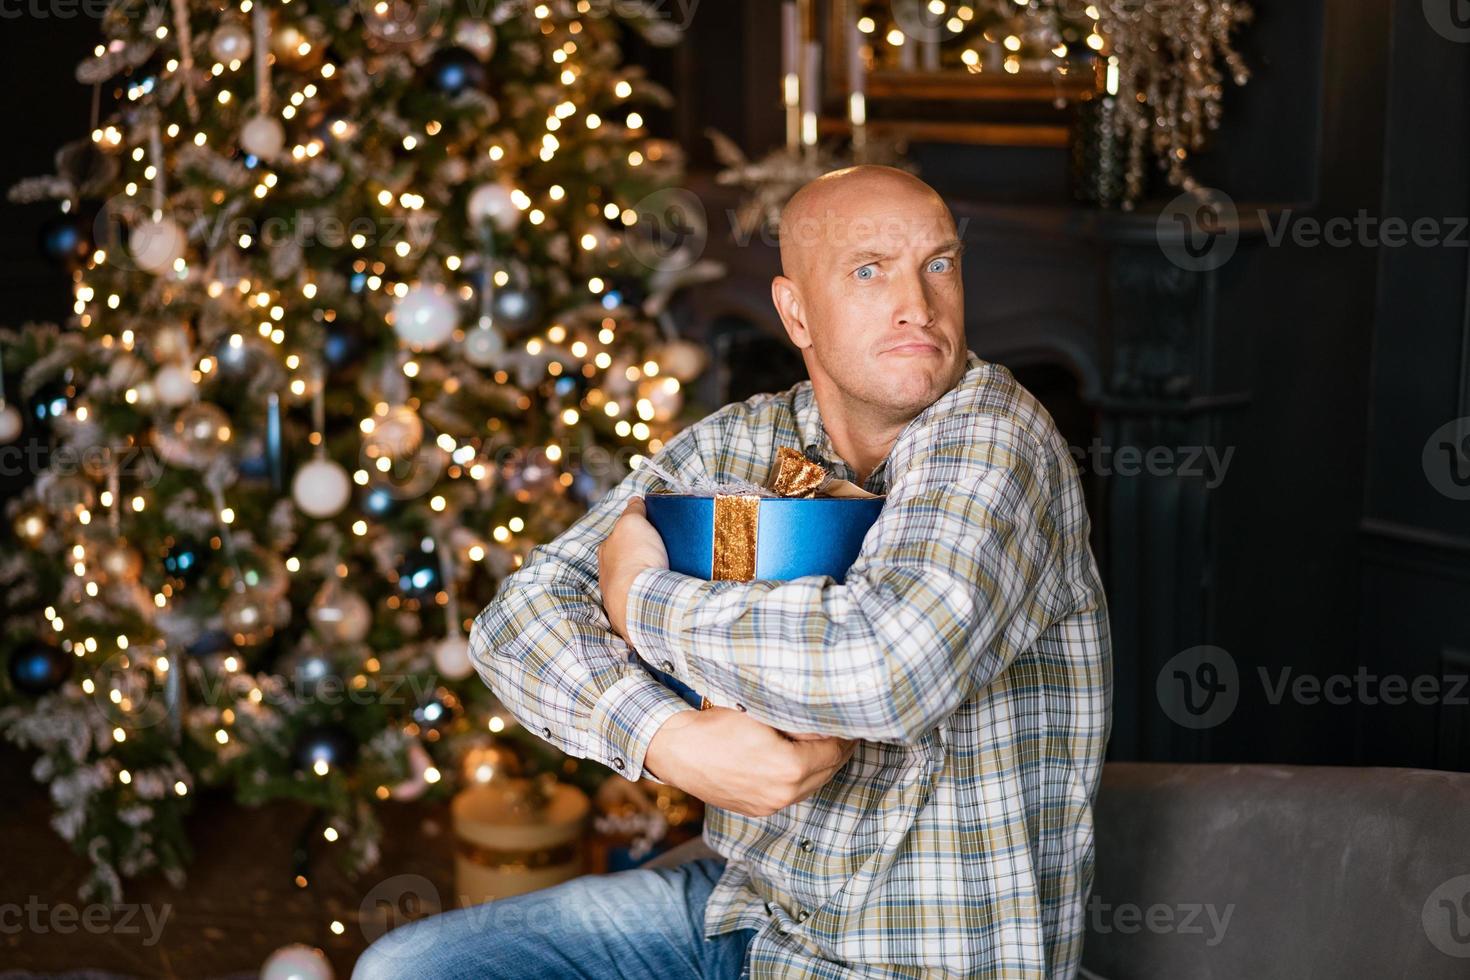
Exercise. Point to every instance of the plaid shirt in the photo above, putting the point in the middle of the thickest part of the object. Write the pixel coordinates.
(968, 650)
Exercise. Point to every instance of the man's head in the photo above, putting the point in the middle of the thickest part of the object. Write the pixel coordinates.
(870, 290)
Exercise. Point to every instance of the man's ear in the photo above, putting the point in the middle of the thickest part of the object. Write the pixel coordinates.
(787, 298)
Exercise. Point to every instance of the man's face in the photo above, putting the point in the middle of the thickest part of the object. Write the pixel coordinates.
(882, 299)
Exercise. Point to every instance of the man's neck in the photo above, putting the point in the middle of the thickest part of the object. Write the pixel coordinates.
(860, 435)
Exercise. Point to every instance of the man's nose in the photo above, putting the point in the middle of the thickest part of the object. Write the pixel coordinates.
(912, 306)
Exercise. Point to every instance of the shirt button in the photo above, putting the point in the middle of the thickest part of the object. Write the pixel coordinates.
(669, 666)
(806, 844)
(546, 733)
(801, 916)
(618, 764)
(739, 706)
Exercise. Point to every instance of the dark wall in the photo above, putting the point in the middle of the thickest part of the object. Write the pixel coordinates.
(1325, 561)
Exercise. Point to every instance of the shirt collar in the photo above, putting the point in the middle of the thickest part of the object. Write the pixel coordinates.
(814, 439)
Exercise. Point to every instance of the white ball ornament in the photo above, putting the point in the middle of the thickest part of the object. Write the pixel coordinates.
(477, 36)
(339, 614)
(321, 488)
(263, 137)
(452, 658)
(10, 424)
(483, 346)
(230, 42)
(493, 202)
(297, 962)
(425, 316)
(682, 359)
(173, 385)
(157, 245)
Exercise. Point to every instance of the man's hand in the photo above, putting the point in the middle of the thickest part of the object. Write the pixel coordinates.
(632, 546)
(728, 759)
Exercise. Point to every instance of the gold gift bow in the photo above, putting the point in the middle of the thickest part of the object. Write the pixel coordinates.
(737, 516)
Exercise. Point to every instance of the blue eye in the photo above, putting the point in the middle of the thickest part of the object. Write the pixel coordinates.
(945, 269)
(868, 269)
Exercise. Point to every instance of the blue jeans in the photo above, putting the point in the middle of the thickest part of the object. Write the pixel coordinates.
(632, 924)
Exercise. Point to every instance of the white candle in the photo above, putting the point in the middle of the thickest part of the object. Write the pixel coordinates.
(790, 39)
(811, 91)
(857, 78)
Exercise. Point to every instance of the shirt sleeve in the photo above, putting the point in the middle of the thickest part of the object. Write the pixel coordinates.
(947, 589)
(545, 647)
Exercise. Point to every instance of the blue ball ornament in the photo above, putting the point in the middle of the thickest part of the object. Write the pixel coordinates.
(329, 744)
(39, 669)
(453, 70)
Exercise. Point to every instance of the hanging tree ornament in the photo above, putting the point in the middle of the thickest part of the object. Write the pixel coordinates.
(322, 748)
(255, 567)
(483, 345)
(419, 765)
(230, 43)
(493, 202)
(186, 56)
(394, 434)
(477, 36)
(339, 614)
(173, 385)
(201, 432)
(425, 316)
(420, 576)
(262, 136)
(517, 307)
(451, 654)
(158, 243)
(452, 70)
(38, 668)
(297, 962)
(322, 487)
(682, 359)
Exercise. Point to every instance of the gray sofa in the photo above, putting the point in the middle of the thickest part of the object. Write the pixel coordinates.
(1226, 872)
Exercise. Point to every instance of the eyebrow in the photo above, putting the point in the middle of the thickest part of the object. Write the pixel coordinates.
(866, 255)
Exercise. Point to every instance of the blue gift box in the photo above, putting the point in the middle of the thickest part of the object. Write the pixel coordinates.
(786, 538)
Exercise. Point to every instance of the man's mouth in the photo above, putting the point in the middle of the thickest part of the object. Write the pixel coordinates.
(917, 348)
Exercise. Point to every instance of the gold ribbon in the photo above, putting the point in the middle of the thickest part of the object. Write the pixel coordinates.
(489, 857)
(737, 516)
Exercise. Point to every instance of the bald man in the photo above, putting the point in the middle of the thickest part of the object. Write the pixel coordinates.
(900, 778)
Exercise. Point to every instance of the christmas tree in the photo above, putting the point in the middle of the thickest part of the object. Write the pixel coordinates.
(369, 299)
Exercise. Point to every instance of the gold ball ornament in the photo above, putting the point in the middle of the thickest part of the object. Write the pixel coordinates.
(203, 431)
(682, 359)
(339, 614)
(156, 245)
(30, 525)
(294, 47)
(120, 562)
(396, 434)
